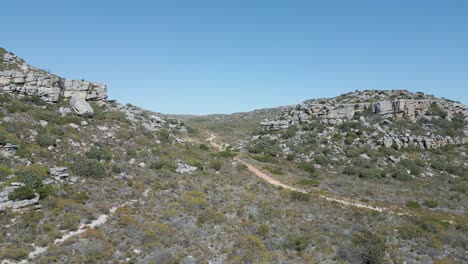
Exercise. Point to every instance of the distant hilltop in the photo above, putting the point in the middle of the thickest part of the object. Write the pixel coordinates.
(18, 77)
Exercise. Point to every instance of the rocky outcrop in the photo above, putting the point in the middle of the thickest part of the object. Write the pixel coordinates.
(334, 112)
(424, 142)
(15, 205)
(25, 80)
(8, 150)
(185, 168)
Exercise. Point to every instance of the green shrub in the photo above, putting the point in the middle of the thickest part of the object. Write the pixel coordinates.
(369, 247)
(45, 190)
(263, 230)
(309, 182)
(29, 178)
(322, 160)
(216, 165)
(4, 172)
(37, 169)
(299, 196)
(307, 167)
(413, 204)
(265, 158)
(204, 147)
(45, 140)
(400, 174)
(297, 242)
(430, 203)
(90, 168)
(459, 189)
(264, 145)
(435, 110)
(14, 253)
(98, 154)
(411, 166)
(22, 193)
(439, 165)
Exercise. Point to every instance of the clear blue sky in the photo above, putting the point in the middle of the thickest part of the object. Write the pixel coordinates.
(226, 56)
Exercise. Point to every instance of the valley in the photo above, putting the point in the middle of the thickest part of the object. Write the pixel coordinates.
(374, 176)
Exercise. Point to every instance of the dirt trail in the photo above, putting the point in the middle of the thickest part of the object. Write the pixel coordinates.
(270, 180)
(214, 144)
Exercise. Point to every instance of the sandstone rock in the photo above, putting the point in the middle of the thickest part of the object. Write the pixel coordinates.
(49, 87)
(364, 156)
(81, 106)
(6, 203)
(59, 173)
(8, 150)
(43, 123)
(185, 168)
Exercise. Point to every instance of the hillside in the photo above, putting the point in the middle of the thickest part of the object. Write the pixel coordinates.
(344, 180)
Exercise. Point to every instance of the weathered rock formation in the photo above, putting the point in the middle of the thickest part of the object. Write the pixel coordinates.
(17, 77)
(14, 205)
(332, 112)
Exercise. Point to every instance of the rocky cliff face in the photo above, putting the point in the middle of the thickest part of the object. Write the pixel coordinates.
(17, 77)
(370, 108)
(333, 111)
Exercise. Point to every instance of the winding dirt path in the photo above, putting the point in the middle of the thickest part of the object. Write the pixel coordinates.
(270, 180)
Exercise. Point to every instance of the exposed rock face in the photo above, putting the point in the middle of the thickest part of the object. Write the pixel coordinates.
(25, 80)
(81, 106)
(184, 168)
(368, 107)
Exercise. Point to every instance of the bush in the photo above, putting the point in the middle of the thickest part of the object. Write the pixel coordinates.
(313, 183)
(369, 248)
(430, 203)
(216, 165)
(322, 160)
(411, 166)
(37, 169)
(204, 147)
(265, 158)
(435, 110)
(45, 140)
(297, 242)
(14, 253)
(22, 193)
(307, 167)
(401, 175)
(98, 154)
(439, 165)
(4, 172)
(44, 191)
(90, 168)
(299, 196)
(263, 230)
(29, 178)
(413, 204)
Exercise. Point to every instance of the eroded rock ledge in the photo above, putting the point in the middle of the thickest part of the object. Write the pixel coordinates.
(17, 77)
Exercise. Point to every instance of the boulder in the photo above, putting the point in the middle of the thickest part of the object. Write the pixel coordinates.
(185, 168)
(81, 106)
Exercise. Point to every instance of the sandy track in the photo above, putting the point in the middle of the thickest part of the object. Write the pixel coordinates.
(270, 180)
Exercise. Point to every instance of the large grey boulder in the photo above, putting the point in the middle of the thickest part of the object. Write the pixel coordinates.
(81, 106)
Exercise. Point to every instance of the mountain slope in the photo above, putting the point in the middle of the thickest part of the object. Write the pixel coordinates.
(121, 186)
